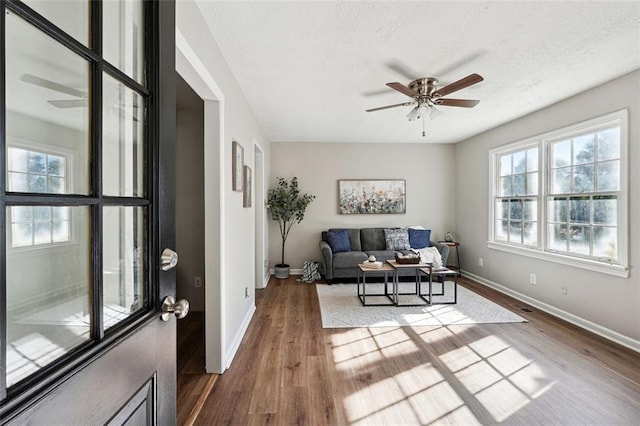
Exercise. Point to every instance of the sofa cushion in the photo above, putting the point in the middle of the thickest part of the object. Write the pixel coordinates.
(354, 237)
(373, 239)
(397, 239)
(339, 241)
(419, 238)
(348, 259)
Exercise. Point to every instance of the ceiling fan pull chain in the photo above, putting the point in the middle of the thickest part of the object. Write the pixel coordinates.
(424, 124)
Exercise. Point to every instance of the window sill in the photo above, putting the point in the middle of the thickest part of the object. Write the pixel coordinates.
(591, 265)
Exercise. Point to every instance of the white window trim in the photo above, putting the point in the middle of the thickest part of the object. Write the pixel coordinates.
(541, 141)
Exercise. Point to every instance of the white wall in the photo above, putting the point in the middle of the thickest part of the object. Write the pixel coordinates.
(607, 301)
(236, 258)
(430, 186)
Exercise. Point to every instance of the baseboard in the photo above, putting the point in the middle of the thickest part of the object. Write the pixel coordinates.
(605, 332)
(291, 272)
(231, 353)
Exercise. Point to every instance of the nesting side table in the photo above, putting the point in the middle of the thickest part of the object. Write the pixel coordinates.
(363, 271)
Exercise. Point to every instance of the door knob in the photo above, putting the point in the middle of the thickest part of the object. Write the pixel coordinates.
(169, 306)
(168, 259)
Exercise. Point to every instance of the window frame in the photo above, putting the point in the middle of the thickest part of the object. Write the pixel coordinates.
(620, 265)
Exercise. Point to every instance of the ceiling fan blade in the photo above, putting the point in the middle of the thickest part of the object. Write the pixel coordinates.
(389, 106)
(403, 89)
(70, 103)
(465, 103)
(460, 84)
(52, 85)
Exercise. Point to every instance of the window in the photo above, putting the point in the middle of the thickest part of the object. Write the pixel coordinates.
(33, 171)
(42, 172)
(516, 204)
(562, 196)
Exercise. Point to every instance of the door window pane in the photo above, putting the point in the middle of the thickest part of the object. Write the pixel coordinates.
(45, 79)
(123, 36)
(71, 16)
(47, 288)
(123, 251)
(123, 145)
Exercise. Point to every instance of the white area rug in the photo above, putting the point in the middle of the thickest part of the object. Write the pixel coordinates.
(341, 308)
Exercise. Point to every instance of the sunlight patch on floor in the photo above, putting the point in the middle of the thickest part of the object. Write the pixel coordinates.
(488, 370)
(357, 348)
(499, 376)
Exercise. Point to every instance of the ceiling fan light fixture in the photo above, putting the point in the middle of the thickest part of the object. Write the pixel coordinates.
(434, 113)
(423, 110)
(413, 114)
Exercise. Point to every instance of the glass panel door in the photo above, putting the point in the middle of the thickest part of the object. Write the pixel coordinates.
(75, 204)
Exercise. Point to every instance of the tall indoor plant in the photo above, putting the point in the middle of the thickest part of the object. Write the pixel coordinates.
(287, 206)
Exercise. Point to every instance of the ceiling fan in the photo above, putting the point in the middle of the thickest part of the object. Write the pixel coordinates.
(83, 97)
(426, 96)
(52, 85)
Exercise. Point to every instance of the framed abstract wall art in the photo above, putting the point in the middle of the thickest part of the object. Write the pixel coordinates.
(376, 196)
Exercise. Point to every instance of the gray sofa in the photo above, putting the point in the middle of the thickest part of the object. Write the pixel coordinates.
(364, 242)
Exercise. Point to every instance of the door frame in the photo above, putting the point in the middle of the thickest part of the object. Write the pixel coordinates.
(260, 239)
(196, 75)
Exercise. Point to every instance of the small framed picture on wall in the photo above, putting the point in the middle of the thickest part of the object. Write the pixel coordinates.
(246, 195)
(237, 171)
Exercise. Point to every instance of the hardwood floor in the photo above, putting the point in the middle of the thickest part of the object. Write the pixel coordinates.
(194, 385)
(289, 370)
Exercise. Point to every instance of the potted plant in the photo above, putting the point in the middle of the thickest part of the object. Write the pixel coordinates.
(287, 206)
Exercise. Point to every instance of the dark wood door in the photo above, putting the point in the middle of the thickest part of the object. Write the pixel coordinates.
(87, 128)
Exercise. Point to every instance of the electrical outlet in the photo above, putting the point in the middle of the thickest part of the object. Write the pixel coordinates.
(197, 282)
(532, 279)
(480, 262)
(246, 292)
(563, 289)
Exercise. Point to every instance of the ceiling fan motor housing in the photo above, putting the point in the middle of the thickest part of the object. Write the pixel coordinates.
(425, 87)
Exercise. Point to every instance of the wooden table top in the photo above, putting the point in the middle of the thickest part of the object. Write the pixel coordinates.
(397, 265)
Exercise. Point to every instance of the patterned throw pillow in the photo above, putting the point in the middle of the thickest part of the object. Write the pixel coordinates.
(419, 238)
(339, 241)
(397, 239)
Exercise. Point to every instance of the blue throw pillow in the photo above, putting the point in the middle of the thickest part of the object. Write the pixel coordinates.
(339, 241)
(419, 238)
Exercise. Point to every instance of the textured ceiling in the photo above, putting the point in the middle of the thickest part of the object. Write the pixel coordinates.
(311, 69)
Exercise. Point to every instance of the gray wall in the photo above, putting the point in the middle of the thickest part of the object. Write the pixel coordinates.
(190, 195)
(602, 299)
(430, 186)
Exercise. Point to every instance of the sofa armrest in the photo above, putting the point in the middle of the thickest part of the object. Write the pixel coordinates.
(444, 251)
(327, 259)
